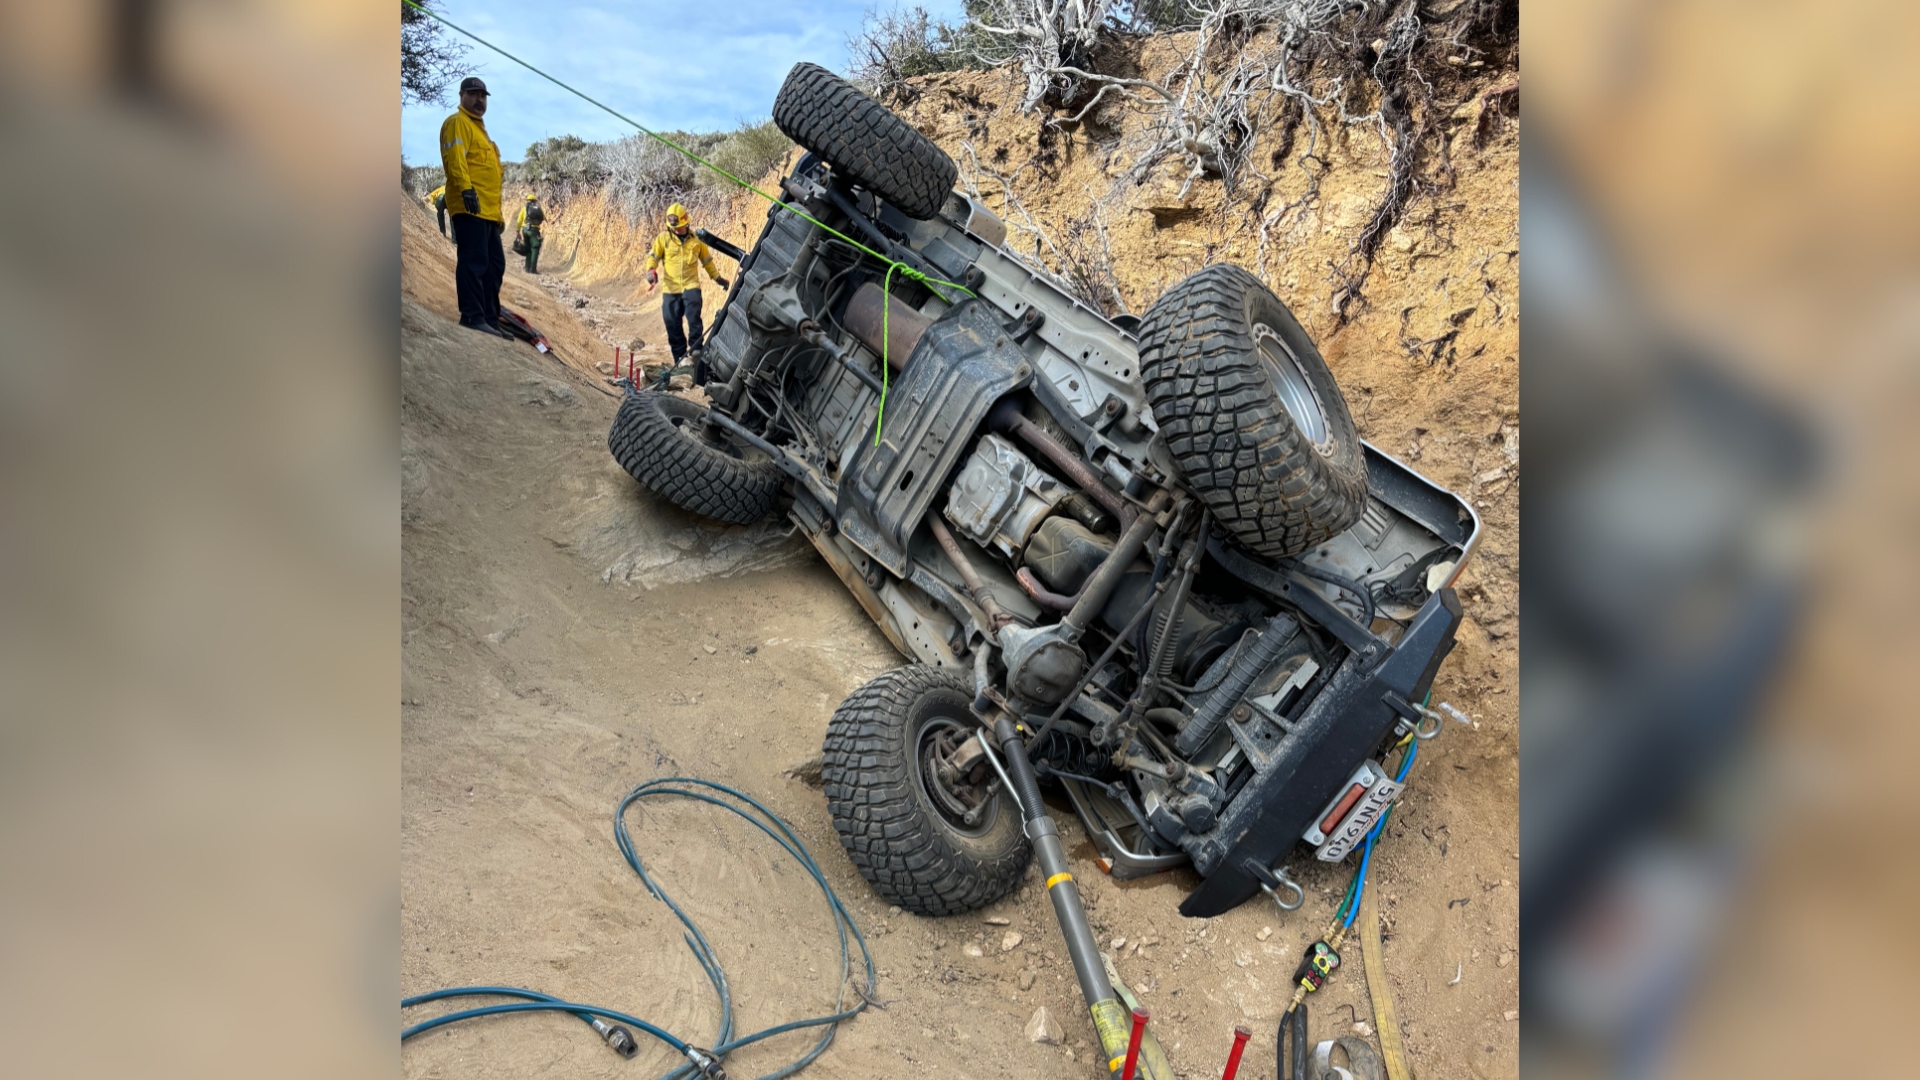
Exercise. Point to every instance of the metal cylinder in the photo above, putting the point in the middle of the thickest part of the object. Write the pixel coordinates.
(1240, 1037)
(1140, 1017)
(1099, 587)
(870, 310)
(1052, 857)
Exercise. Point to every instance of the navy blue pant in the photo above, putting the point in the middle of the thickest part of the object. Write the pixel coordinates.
(672, 307)
(479, 268)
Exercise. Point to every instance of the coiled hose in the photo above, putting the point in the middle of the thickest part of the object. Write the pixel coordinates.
(755, 814)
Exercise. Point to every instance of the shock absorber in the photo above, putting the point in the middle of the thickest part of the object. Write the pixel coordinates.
(1111, 1020)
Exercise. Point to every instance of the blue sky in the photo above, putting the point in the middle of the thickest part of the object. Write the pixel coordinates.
(699, 66)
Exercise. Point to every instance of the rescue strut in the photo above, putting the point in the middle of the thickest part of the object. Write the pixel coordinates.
(1111, 1021)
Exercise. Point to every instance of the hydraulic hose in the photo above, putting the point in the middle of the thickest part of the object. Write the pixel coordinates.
(1293, 1022)
(1359, 887)
(534, 1002)
(699, 1062)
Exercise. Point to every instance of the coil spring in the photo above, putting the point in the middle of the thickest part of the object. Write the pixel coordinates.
(1160, 633)
(1073, 754)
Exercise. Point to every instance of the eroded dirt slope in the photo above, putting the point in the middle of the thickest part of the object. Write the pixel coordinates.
(426, 278)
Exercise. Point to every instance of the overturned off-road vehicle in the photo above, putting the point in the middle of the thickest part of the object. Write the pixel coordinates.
(1158, 545)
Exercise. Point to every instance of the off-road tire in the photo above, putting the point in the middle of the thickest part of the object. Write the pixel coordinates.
(655, 438)
(864, 141)
(897, 839)
(1211, 391)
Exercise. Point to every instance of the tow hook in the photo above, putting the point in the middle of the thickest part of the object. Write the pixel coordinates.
(1272, 881)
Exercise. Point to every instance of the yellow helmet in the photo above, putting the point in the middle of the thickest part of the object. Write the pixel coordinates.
(676, 216)
(530, 196)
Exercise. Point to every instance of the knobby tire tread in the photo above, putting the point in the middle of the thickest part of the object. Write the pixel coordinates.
(901, 846)
(864, 141)
(704, 479)
(1227, 429)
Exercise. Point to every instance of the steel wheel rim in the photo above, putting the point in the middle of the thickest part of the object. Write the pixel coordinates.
(1289, 379)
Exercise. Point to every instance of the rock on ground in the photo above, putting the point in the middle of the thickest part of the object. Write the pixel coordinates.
(1044, 1029)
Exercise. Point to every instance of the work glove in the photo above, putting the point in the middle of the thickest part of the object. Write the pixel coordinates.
(653, 278)
(723, 283)
(471, 200)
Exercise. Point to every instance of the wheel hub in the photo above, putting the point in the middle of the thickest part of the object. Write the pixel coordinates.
(706, 434)
(958, 785)
(1289, 379)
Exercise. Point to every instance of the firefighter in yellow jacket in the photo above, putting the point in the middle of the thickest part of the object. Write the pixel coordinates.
(437, 198)
(678, 255)
(472, 161)
(531, 217)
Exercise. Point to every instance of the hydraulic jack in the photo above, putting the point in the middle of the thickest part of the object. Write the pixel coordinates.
(1112, 1021)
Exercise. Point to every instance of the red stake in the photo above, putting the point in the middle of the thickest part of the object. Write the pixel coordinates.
(1133, 1043)
(1240, 1037)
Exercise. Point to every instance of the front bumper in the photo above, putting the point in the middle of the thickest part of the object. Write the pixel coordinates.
(1303, 770)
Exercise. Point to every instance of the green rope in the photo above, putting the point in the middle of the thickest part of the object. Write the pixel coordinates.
(932, 283)
(886, 343)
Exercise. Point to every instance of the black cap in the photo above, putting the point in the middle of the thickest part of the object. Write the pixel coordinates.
(472, 82)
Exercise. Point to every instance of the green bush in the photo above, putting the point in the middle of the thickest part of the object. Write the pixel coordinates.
(746, 153)
(561, 159)
(904, 42)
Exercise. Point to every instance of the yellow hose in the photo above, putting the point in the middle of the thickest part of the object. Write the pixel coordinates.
(1384, 1020)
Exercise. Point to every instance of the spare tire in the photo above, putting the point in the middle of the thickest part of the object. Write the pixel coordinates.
(863, 141)
(1251, 413)
(661, 441)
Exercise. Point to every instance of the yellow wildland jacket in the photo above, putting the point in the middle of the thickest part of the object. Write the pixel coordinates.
(438, 196)
(680, 261)
(472, 160)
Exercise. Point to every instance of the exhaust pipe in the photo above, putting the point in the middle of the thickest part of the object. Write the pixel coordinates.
(870, 310)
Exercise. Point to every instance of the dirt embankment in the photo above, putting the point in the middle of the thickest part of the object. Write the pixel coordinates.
(426, 278)
(595, 256)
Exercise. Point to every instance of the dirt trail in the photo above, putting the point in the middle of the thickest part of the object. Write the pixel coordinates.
(565, 636)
